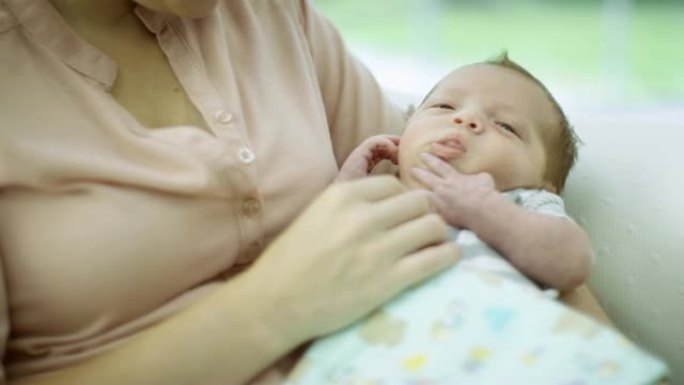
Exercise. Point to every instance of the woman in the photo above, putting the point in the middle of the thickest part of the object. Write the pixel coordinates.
(151, 151)
(148, 158)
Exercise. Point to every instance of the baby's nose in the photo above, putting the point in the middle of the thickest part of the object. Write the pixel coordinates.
(469, 121)
(472, 124)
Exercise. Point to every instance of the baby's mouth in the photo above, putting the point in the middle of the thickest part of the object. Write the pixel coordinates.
(448, 148)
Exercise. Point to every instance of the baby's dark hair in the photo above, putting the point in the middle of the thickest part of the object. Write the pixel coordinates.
(561, 147)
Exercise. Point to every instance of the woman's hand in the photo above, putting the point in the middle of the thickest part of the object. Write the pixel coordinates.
(367, 155)
(454, 195)
(359, 244)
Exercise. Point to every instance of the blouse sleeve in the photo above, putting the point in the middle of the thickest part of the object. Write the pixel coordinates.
(354, 102)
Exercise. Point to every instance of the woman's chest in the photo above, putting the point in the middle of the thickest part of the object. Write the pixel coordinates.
(105, 253)
(147, 87)
(104, 232)
(103, 219)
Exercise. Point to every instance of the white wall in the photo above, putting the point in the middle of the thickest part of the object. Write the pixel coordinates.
(627, 191)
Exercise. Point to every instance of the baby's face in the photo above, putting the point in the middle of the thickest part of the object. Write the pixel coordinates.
(483, 118)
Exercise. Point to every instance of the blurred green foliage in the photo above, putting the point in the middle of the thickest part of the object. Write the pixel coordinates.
(582, 41)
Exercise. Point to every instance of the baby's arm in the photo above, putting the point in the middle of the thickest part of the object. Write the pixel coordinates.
(548, 249)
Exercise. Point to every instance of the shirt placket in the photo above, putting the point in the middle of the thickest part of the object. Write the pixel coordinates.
(236, 166)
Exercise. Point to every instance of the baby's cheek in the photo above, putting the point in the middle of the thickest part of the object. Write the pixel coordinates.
(406, 162)
(412, 144)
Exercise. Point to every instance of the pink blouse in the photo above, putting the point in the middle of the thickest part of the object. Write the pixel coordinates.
(108, 227)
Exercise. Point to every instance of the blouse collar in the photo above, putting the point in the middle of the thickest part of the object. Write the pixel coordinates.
(44, 23)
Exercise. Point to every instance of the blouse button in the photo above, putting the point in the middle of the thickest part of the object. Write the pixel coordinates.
(223, 117)
(246, 155)
(250, 206)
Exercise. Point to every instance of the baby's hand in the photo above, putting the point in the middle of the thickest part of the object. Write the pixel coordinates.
(367, 155)
(455, 196)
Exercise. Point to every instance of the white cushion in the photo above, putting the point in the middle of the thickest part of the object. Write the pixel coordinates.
(627, 191)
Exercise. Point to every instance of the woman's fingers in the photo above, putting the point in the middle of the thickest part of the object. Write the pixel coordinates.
(400, 208)
(411, 236)
(345, 254)
(424, 263)
(371, 189)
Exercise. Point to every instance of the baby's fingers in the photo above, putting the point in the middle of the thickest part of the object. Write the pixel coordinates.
(439, 166)
(426, 177)
(387, 150)
(393, 138)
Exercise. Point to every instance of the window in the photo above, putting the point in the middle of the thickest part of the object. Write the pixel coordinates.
(610, 54)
